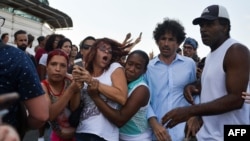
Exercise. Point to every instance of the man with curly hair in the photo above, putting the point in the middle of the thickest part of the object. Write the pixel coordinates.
(166, 79)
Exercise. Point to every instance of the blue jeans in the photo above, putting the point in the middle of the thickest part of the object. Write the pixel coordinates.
(88, 137)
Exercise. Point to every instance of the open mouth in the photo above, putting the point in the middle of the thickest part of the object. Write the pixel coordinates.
(105, 58)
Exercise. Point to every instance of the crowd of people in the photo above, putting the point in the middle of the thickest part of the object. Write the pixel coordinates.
(115, 92)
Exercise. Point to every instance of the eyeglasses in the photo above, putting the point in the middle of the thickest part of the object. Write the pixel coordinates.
(2, 20)
(188, 48)
(103, 49)
(86, 46)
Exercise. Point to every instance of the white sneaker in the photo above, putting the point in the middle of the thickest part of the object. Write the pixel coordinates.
(41, 139)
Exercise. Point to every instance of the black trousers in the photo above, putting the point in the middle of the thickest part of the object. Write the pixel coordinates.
(88, 137)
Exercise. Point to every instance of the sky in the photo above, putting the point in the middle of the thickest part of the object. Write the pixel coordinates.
(115, 18)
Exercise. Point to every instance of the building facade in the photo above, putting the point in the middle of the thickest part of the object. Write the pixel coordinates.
(34, 16)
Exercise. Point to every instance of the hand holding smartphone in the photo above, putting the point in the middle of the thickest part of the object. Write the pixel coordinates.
(79, 62)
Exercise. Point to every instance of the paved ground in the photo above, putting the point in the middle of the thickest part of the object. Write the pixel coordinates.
(32, 135)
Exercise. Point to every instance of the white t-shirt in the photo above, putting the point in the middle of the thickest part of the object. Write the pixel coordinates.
(92, 120)
(214, 87)
(43, 59)
(30, 51)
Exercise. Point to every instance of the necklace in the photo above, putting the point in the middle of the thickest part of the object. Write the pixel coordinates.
(50, 90)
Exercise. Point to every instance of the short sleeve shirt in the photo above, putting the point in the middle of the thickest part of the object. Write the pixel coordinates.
(17, 74)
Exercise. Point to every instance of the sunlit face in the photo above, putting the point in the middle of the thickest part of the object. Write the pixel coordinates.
(134, 67)
(87, 45)
(22, 41)
(57, 68)
(167, 45)
(66, 47)
(104, 55)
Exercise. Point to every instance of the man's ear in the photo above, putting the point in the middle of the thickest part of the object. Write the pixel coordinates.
(226, 29)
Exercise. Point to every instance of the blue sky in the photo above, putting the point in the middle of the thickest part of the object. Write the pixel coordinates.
(115, 18)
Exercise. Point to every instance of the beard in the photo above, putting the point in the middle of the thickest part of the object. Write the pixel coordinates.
(23, 48)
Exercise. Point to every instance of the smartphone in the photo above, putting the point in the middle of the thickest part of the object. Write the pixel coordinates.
(201, 65)
(78, 62)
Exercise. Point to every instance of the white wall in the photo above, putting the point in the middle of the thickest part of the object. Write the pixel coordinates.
(15, 22)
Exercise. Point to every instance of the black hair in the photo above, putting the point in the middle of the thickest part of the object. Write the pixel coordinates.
(62, 41)
(40, 39)
(30, 38)
(170, 26)
(49, 43)
(3, 35)
(19, 32)
(87, 38)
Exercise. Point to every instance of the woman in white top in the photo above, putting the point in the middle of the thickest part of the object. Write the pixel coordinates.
(101, 64)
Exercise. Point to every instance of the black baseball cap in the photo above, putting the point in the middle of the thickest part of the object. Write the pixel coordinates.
(212, 12)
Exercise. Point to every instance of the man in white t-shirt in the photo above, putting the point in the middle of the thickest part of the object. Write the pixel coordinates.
(224, 78)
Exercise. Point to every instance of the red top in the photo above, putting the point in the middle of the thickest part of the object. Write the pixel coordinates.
(39, 53)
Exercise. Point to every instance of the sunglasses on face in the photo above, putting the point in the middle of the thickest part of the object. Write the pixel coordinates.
(86, 46)
(103, 49)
